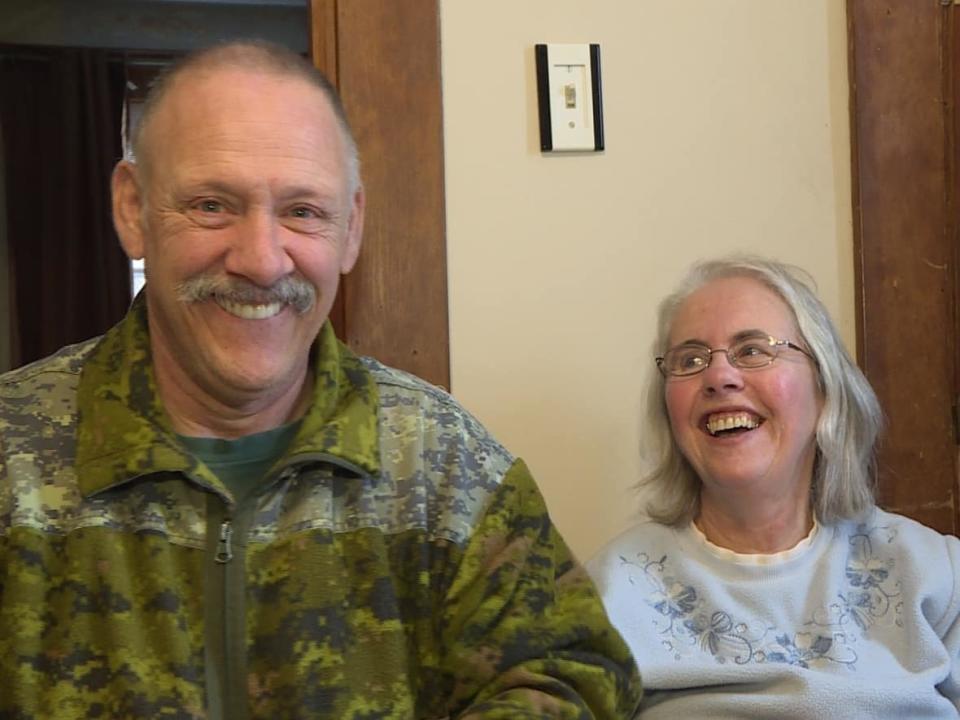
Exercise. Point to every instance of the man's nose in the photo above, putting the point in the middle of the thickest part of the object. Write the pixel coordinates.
(721, 374)
(257, 252)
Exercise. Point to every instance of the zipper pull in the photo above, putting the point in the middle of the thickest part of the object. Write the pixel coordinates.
(224, 551)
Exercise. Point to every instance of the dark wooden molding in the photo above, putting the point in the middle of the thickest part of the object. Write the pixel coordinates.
(323, 37)
(952, 95)
(322, 18)
(384, 58)
(388, 70)
(904, 229)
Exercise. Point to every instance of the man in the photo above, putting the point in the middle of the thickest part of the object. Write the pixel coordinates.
(216, 510)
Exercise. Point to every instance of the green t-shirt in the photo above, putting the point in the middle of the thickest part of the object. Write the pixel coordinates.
(241, 463)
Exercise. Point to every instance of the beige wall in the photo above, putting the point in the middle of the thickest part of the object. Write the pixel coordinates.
(727, 129)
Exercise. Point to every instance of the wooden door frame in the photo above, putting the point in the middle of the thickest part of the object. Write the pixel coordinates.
(384, 58)
(902, 54)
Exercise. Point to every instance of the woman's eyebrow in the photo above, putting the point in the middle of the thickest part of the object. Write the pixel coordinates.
(693, 341)
(740, 335)
(751, 333)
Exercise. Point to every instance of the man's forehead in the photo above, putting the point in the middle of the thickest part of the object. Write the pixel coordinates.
(283, 111)
(245, 113)
(225, 82)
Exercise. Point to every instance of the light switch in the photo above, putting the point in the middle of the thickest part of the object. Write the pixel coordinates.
(569, 97)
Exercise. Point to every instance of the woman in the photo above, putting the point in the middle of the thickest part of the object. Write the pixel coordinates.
(766, 583)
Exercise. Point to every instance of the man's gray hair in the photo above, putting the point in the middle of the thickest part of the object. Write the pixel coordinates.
(847, 430)
(254, 55)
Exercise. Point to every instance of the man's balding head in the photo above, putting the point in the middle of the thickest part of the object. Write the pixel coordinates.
(252, 55)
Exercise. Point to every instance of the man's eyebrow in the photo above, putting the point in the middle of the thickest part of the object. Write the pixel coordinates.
(305, 191)
(201, 186)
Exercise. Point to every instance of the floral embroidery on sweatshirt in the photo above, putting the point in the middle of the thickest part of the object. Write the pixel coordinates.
(688, 624)
(871, 591)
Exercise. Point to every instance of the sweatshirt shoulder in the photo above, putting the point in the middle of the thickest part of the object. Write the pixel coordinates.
(926, 562)
(643, 539)
(907, 535)
(905, 548)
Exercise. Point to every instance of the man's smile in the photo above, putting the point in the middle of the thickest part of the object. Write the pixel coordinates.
(248, 311)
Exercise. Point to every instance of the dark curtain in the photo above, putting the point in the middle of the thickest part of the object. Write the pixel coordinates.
(60, 116)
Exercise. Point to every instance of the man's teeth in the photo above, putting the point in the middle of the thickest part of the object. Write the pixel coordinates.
(718, 423)
(250, 312)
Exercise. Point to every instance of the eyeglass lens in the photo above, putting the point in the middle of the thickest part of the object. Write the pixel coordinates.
(752, 352)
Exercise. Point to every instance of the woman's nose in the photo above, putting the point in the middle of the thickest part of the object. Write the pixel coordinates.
(721, 374)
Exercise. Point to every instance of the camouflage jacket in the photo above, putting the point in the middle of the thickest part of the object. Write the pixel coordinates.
(396, 563)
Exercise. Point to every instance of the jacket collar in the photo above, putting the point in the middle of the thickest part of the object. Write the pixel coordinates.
(124, 432)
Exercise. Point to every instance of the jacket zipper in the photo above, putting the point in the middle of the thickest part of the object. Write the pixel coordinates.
(224, 547)
(225, 612)
(230, 560)
(226, 606)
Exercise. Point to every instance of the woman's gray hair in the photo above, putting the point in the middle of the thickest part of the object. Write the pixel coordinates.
(848, 426)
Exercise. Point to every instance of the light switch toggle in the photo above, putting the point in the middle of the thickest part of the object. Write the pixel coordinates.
(570, 95)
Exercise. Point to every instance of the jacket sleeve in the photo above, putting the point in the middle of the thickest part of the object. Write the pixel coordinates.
(525, 632)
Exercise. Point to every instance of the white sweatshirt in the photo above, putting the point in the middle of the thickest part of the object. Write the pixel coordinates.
(857, 621)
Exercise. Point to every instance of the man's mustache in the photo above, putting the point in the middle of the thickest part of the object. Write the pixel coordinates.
(291, 290)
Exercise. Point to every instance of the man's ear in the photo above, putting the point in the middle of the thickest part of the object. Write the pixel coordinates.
(354, 236)
(128, 201)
